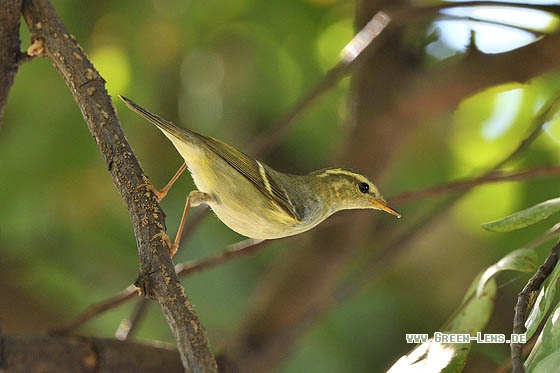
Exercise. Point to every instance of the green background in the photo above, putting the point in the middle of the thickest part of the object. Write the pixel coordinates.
(230, 70)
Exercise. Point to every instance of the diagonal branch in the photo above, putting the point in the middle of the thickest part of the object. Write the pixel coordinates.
(240, 249)
(375, 265)
(250, 246)
(157, 278)
(468, 183)
(129, 293)
(10, 54)
(348, 56)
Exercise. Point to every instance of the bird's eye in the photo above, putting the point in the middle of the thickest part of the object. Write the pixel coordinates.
(364, 187)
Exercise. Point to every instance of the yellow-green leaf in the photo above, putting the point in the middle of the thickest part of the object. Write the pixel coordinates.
(545, 356)
(542, 304)
(521, 260)
(524, 218)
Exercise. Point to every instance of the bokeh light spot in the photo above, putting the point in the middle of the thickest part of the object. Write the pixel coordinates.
(114, 66)
(332, 41)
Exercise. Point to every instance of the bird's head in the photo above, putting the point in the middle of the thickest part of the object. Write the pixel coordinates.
(348, 189)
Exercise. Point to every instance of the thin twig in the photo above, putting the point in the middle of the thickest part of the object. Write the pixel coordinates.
(95, 309)
(187, 268)
(464, 184)
(486, 21)
(506, 366)
(524, 299)
(267, 141)
(243, 248)
(361, 47)
(360, 42)
(128, 326)
(377, 264)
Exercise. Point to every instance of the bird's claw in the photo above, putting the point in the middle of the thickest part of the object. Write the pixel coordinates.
(159, 194)
(173, 247)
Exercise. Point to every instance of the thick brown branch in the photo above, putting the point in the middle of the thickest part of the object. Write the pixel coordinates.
(157, 278)
(10, 53)
(81, 354)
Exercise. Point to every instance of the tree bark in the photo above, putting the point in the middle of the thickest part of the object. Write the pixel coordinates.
(10, 53)
(81, 354)
(157, 278)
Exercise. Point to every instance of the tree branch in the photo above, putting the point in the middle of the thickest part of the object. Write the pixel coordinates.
(468, 183)
(250, 246)
(10, 51)
(157, 278)
(128, 326)
(95, 309)
(522, 305)
(384, 258)
(243, 248)
(391, 94)
(73, 354)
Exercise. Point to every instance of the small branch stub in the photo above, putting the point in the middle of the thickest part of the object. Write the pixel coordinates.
(157, 278)
(36, 48)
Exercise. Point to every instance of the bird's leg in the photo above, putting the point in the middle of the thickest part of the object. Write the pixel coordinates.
(194, 198)
(161, 193)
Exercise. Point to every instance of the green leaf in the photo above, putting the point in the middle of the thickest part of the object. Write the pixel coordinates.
(471, 317)
(545, 356)
(542, 303)
(548, 364)
(475, 309)
(427, 357)
(525, 217)
(521, 260)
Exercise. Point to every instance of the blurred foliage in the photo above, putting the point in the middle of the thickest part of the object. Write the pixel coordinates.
(229, 70)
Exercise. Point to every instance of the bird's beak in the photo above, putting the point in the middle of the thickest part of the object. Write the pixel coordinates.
(382, 205)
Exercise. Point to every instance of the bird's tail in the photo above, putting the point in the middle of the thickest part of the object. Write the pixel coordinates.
(166, 126)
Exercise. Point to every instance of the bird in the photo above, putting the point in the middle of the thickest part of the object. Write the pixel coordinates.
(252, 198)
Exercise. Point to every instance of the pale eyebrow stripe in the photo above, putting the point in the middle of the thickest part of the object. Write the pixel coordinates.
(339, 171)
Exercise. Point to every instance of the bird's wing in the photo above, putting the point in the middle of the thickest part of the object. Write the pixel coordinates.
(255, 172)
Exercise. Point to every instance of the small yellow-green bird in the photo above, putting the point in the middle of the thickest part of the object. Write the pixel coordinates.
(252, 198)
